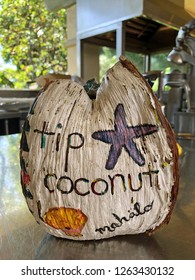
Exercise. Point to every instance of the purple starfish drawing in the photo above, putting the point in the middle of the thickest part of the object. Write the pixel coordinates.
(123, 137)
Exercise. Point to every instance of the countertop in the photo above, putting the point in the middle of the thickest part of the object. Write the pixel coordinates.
(21, 238)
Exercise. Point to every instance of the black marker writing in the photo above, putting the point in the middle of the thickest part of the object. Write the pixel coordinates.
(120, 221)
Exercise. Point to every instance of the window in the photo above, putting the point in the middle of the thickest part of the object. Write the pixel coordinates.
(137, 59)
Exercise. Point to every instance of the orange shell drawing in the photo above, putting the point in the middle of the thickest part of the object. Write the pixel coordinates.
(70, 220)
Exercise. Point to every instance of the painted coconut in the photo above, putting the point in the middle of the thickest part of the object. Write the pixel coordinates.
(94, 168)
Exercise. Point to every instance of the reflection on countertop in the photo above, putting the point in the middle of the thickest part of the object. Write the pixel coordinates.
(22, 238)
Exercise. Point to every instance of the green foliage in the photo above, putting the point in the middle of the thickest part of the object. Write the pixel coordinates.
(159, 62)
(137, 59)
(32, 39)
(107, 60)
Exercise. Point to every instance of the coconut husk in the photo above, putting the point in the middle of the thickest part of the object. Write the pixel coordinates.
(93, 168)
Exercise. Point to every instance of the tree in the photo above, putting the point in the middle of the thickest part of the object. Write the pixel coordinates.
(32, 39)
(107, 59)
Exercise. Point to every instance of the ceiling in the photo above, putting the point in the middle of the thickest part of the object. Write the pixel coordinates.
(142, 35)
